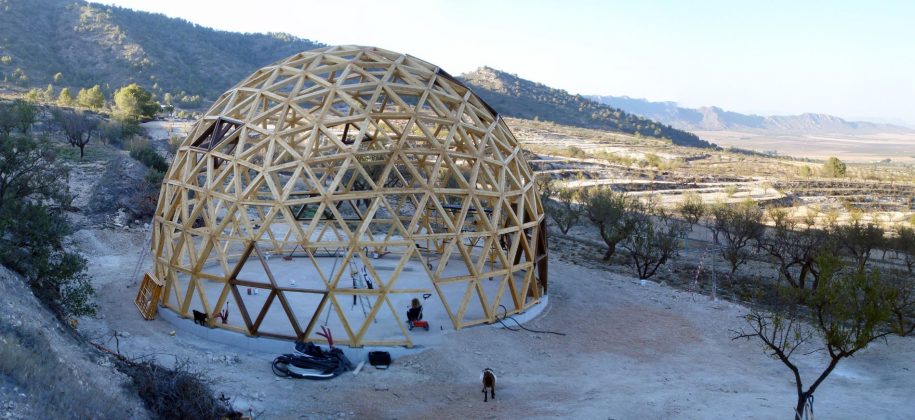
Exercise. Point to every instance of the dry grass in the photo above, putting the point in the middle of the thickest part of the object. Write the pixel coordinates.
(53, 388)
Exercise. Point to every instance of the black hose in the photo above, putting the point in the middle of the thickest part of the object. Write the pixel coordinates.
(522, 327)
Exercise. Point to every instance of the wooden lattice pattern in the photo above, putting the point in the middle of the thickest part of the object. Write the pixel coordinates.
(147, 300)
(342, 155)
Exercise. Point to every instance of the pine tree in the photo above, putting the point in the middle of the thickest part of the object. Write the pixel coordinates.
(91, 98)
(49, 93)
(65, 99)
(834, 168)
(132, 102)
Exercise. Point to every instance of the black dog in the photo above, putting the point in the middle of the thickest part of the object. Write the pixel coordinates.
(488, 377)
(200, 317)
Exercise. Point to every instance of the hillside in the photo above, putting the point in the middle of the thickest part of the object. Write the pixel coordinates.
(46, 371)
(94, 44)
(84, 44)
(521, 98)
(716, 119)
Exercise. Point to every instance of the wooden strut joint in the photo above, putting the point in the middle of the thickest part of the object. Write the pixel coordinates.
(336, 153)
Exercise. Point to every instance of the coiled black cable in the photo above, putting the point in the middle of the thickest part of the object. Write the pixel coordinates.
(521, 327)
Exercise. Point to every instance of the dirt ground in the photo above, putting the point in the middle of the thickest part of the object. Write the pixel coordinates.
(630, 351)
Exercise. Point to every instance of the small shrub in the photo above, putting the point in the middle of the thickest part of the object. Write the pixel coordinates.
(652, 159)
(174, 142)
(806, 171)
(615, 159)
(113, 132)
(833, 168)
(576, 152)
(147, 155)
(177, 393)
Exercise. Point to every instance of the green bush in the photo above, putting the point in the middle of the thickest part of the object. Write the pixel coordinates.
(576, 152)
(143, 152)
(33, 227)
(653, 160)
(615, 159)
(833, 168)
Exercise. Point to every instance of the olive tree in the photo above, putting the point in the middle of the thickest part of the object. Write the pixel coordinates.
(692, 208)
(613, 214)
(7, 119)
(654, 240)
(734, 228)
(847, 312)
(904, 243)
(26, 115)
(903, 307)
(859, 238)
(794, 246)
(77, 127)
(17, 115)
(559, 204)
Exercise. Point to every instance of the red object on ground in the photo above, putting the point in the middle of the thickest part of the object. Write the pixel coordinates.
(420, 324)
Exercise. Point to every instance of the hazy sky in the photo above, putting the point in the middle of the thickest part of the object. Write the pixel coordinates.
(852, 59)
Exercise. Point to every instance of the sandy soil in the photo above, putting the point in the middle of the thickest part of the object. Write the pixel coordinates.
(631, 351)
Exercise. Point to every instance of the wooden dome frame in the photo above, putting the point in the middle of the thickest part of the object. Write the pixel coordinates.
(360, 151)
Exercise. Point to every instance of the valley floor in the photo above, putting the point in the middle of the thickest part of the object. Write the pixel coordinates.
(864, 148)
(630, 351)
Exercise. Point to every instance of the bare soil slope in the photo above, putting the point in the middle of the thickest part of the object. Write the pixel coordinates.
(46, 371)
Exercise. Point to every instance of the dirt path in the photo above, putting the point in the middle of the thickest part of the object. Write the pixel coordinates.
(631, 351)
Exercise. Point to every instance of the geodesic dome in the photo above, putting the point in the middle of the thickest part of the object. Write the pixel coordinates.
(333, 187)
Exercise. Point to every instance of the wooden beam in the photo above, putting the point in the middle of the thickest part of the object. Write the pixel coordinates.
(389, 151)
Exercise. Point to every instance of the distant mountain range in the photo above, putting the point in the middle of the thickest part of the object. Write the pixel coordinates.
(717, 119)
(520, 98)
(92, 44)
